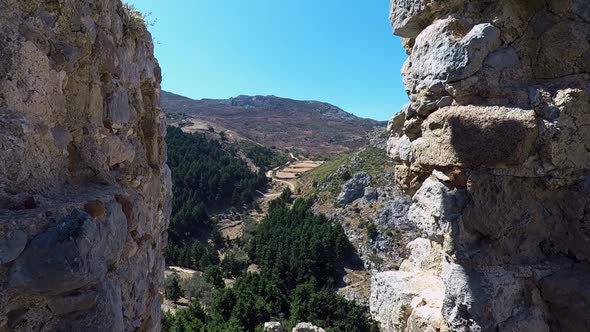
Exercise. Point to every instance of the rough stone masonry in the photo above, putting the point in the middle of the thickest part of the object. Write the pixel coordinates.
(495, 148)
(84, 187)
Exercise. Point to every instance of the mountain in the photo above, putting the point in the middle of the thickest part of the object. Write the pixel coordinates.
(310, 127)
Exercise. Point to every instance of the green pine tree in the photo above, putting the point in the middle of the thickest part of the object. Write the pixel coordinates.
(214, 276)
(173, 291)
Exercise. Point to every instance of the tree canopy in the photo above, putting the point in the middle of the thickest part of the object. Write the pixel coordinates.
(204, 173)
(263, 157)
(299, 255)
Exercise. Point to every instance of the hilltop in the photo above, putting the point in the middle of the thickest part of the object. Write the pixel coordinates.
(308, 127)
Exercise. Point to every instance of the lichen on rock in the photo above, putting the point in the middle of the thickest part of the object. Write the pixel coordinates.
(84, 186)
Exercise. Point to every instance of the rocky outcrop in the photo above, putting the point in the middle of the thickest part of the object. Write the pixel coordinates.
(307, 327)
(300, 327)
(84, 188)
(354, 188)
(273, 327)
(411, 298)
(494, 149)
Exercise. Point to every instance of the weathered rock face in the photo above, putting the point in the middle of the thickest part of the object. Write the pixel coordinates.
(84, 188)
(499, 116)
(354, 188)
(411, 298)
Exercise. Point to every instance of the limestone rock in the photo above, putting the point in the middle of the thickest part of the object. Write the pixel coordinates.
(70, 255)
(395, 214)
(424, 255)
(411, 299)
(442, 177)
(498, 165)
(569, 147)
(400, 149)
(476, 136)
(406, 17)
(464, 290)
(410, 17)
(413, 128)
(83, 169)
(353, 188)
(396, 123)
(370, 194)
(396, 294)
(307, 327)
(559, 289)
(76, 302)
(273, 327)
(448, 51)
(435, 207)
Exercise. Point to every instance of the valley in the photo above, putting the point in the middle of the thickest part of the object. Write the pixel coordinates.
(286, 175)
(280, 178)
(200, 266)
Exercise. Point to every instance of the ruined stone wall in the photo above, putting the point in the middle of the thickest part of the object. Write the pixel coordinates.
(84, 188)
(495, 148)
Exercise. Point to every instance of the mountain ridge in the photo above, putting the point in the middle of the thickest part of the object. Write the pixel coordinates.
(311, 127)
(242, 101)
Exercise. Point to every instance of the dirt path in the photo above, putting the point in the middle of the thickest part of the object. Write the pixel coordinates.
(291, 171)
(271, 174)
(357, 287)
(269, 195)
(294, 168)
(292, 184)
(196, 125)
(183, 272)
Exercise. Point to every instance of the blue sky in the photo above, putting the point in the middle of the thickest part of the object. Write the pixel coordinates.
(337, 51)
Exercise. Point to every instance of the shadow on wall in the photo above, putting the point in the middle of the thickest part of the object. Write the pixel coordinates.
(491, 143)
(521, 256)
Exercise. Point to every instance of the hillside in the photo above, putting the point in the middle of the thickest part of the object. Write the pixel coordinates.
(309, 127)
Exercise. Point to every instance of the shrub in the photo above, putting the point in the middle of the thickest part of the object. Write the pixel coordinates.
(137, 22)
(204, 173)
(262, 156)
(372, 231)
(196, 288)
(234, 264)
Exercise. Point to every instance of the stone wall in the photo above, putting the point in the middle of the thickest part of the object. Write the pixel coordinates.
(84, 188)
(494, 146)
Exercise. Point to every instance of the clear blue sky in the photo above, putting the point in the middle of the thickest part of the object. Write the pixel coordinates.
(337, 51)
